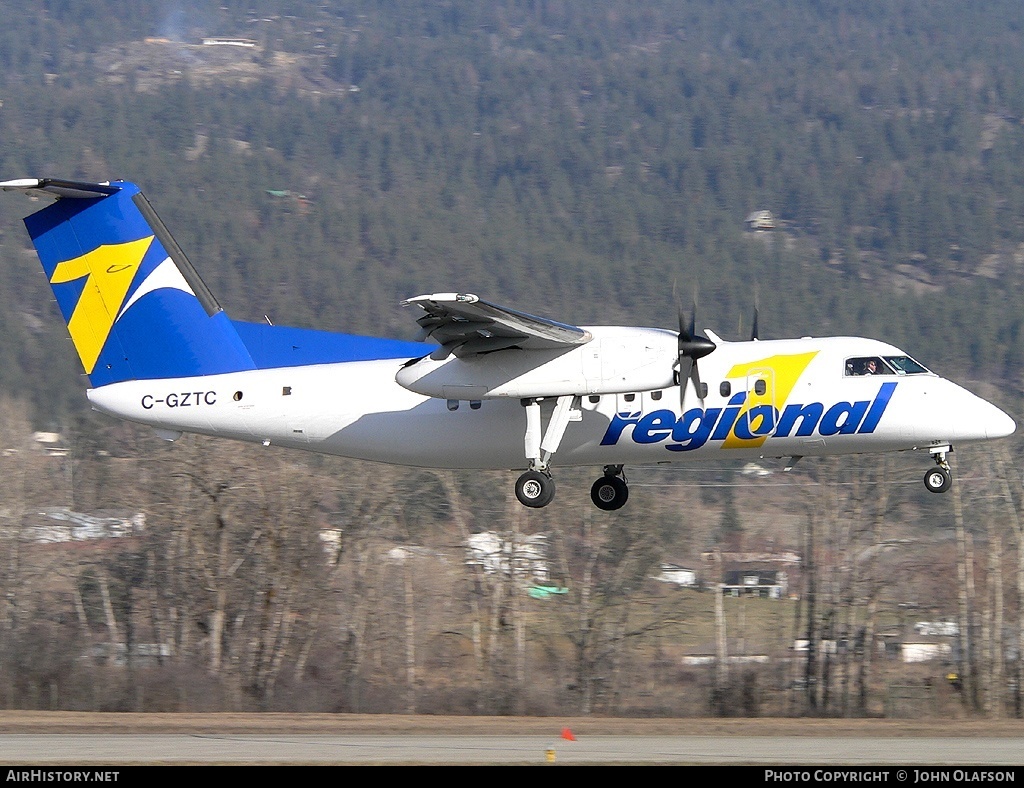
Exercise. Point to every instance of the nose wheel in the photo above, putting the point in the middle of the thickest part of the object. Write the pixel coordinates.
(939, 479)
(610, 492)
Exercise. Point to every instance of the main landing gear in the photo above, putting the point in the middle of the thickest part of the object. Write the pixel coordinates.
(939, 479)
(535, 488)
(610, 492)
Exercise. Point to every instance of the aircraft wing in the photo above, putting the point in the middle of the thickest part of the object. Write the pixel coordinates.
(465, 324)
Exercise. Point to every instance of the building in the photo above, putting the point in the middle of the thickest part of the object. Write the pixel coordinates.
(525, 555)
(760, 221)
(216, 41)
(52, 443)
(765, 583)
(60, 524)
(677, 575)
(925, 652)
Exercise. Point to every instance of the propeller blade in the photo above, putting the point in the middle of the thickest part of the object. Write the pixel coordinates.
(684, 334)
(697, 386)
(753, 331)
(683, 359)
(691, 348)
(686, 368)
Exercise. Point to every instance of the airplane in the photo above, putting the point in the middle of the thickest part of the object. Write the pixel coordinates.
(494, 388)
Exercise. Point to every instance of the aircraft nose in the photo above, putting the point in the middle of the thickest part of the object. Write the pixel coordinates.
(973, 418)
(986, 421)
(997, 423)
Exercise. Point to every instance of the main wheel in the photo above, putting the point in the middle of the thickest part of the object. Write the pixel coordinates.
(609, 493)
(938, 480)
(535, 489)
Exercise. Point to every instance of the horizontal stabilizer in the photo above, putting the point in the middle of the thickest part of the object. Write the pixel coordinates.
(55, 187)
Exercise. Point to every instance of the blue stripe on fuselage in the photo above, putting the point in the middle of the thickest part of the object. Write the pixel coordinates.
(282, 346)
(697, 426)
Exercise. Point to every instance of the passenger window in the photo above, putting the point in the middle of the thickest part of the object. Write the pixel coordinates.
(630, 397)
(725, 389)
(594, 398)
(655, 395)
(760, 387)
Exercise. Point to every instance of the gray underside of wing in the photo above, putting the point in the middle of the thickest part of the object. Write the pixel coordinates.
(464, 324)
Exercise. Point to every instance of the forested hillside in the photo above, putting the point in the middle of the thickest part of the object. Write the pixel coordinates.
(577, 161)
(589, 162)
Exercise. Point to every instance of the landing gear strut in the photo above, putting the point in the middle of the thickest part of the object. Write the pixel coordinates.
(610, 492)
(536, 488)
(939, 479)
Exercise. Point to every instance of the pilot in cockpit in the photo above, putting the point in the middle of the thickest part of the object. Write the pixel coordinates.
(866, 366)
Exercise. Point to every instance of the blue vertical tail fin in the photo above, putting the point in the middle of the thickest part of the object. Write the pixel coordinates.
(135, 307)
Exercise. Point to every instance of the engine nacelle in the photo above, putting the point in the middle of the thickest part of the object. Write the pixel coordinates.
(615, 361)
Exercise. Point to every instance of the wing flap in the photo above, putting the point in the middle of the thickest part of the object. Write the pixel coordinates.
(465, 324)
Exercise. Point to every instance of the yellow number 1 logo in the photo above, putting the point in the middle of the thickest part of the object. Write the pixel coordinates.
(110, 270)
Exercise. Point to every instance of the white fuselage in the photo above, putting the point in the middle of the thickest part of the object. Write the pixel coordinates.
(626, 408)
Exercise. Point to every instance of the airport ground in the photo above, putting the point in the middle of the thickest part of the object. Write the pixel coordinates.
(12, 722)
(62, 740)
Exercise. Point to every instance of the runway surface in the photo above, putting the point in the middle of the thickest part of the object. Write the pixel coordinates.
(112, 749)
(71, 740)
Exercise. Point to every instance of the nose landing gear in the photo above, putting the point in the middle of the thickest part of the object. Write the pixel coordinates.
(939, 479)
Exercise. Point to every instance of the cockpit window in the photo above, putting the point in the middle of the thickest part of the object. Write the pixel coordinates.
(868, 365)
(905, 365)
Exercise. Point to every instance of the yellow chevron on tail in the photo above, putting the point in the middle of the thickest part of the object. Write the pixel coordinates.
(110, 270)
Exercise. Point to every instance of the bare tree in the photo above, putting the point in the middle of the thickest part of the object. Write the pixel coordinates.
(609, 559)
(965, 604)
(874, 582)
(1011, 505)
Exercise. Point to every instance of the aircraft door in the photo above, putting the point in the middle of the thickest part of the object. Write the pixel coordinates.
(294, 414)
(761, 411)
